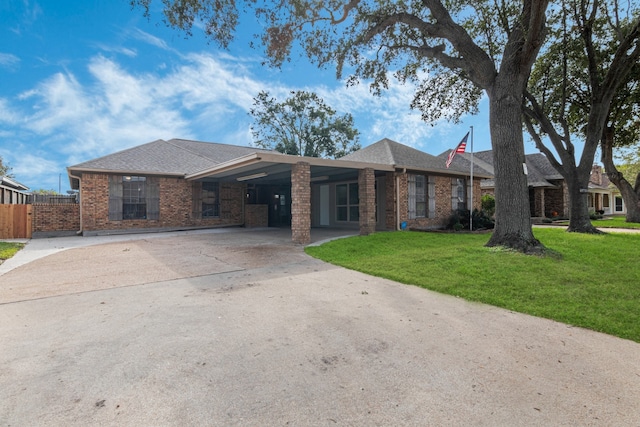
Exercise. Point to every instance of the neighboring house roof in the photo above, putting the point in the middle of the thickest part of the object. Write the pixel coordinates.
(5, 181)
(539, 169)
(393, 153)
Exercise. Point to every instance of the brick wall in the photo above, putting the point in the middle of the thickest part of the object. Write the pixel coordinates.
(51, 218)
(367, 203)
(390, 202)
(256, 216)
(176, 205)
(443, 209)
(301, 203)
(555, 200)
(539, 196)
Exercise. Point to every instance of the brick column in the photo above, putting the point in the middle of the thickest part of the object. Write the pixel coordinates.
(367, 192)
(390, 201)
(301, 203)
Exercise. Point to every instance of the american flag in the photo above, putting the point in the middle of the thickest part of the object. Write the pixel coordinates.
(459, 149)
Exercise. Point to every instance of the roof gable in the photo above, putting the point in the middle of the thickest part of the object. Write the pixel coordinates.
(173, 157)
(399, 155)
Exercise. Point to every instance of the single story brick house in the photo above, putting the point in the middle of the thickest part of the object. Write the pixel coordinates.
(182, 184)
(548, 192)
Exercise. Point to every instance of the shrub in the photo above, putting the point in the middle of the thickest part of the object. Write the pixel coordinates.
(488, 204)
(459, 220)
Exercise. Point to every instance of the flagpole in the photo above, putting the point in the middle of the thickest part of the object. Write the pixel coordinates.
(471, 204)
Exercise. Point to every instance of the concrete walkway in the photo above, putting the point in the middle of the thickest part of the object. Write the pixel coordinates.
(243, 328)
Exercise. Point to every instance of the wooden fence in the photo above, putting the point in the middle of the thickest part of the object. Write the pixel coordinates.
(15, 221)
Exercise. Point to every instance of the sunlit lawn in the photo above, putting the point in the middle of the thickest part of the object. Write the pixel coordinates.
(592, 281)
(615, 222)
(9, 249)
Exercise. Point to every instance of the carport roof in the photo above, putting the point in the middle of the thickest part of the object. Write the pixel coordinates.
(274, 167)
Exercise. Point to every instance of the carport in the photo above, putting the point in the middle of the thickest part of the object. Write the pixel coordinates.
(306, 192)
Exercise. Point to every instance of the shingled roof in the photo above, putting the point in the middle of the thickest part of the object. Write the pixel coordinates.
(539, 169)
(173, 157)
(399, 155)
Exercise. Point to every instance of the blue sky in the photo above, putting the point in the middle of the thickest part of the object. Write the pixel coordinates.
(84, 78)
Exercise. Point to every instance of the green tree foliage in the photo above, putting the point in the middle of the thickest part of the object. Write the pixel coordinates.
(585, 85)
(302, 125)
(488, 204)
(5, 169)
(481, 46)
(628, 163)
(625, 173)
(43, 192)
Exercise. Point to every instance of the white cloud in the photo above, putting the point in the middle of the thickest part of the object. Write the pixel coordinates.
(7, 115)
(9, 61)
(131, 53)
(150, 39)
(197, 96)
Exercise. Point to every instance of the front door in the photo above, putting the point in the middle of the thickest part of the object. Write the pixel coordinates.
(280, 207)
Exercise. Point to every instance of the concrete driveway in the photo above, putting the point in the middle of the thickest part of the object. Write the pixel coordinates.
(242, 328)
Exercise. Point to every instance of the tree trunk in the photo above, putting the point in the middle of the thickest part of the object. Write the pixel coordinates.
(513, 215)
(627, 191)
(579, 217)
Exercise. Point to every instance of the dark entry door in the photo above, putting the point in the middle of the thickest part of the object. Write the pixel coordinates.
(280, 207)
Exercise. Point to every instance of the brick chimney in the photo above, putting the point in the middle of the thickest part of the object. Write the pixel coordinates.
(596, 175)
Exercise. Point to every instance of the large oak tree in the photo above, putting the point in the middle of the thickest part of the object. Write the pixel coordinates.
(302, 125)
(622, 130)
(491, 45)
(583, 87)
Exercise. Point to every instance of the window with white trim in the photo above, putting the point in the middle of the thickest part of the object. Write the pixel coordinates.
(421, 196)
(619, 204)
(347, 202)
(210, 200)
(133, 197)
(458, 193)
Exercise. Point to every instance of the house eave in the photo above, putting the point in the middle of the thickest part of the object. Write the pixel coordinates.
(442, 172)
(264, 159)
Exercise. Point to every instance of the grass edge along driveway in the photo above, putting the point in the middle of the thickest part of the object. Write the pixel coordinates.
(9, 249)
(591, 281)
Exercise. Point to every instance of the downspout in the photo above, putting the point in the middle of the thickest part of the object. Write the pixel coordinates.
(79, 232)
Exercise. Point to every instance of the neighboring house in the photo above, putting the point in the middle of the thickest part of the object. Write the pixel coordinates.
(604, 196)
(12, 192)
(181, 184)
(548, 192)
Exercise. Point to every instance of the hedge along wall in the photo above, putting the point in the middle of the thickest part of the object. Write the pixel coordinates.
(55, 218)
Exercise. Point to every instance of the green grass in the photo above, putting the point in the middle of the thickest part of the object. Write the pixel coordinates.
(615, 222)
(592, 281)
(7, 250)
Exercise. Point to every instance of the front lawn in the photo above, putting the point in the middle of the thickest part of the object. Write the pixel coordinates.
(614, 222)
(592, 281)
(7, 250)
